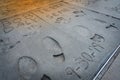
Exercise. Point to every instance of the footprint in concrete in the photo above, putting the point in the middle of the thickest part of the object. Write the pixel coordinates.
(54, 47)
(82, 30)
(60, 57)
(27, 67)
(45, 77)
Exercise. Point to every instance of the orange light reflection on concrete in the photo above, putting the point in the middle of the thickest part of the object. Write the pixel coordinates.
(12, 7)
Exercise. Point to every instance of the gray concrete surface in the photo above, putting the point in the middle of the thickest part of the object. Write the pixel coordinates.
(113, 72)
(65, 40)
